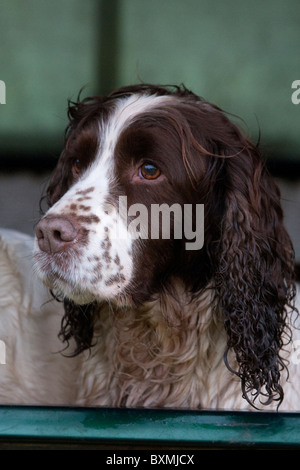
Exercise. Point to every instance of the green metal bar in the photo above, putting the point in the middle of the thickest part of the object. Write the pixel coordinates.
(182, 429)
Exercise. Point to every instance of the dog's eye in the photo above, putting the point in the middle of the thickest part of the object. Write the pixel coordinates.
(149, 171)
(77, 167)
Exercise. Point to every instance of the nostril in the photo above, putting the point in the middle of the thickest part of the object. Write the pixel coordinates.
(54, 234)
(57, 234)
(39, 232)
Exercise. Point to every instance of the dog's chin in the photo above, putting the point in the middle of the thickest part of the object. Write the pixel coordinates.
(79, 296)
(61, 290)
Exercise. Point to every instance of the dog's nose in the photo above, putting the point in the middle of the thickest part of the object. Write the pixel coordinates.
(56, 233)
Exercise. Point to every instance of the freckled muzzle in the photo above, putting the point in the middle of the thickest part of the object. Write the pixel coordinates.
(79, 254)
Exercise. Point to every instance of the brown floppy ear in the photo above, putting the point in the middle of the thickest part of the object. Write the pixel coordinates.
(254, 278)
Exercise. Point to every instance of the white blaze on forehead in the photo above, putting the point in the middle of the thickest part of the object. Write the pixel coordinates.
(126, 110)
(104, 266)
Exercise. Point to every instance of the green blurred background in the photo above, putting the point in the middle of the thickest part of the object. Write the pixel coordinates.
(239, 54)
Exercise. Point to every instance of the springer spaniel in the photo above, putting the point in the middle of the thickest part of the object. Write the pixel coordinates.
(196, 316)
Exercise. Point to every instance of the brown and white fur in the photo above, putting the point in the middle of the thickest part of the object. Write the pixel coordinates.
(164, 326)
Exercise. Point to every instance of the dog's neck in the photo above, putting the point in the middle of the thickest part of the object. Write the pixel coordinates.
(164, 353)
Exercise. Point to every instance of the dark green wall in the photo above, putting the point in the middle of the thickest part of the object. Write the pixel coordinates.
(241, 55)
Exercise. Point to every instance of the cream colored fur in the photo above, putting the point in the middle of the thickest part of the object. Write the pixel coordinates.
(35, 372)
(170, 353)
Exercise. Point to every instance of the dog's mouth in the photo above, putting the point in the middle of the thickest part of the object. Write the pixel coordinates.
(57, 273)
(54, 271)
